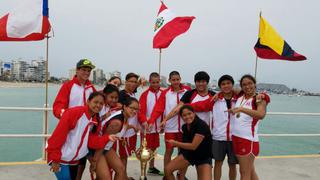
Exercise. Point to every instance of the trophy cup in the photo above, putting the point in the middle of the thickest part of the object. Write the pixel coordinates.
(144, 155)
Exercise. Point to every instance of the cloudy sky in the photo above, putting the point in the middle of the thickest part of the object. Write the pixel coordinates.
(117, 35)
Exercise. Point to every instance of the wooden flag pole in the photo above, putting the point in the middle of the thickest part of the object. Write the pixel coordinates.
(160, 51)
(256, 66)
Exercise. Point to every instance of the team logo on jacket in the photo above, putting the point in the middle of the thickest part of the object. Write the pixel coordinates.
(159, 23)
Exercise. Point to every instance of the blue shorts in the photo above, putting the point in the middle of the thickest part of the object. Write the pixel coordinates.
(67, 172)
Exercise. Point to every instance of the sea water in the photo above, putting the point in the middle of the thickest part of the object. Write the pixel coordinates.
(31, 122)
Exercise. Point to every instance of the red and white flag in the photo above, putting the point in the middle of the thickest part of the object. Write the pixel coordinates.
(27, 22)
(168, 26)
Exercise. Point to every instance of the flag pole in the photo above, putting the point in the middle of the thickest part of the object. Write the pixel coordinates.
(160, 51)
(45, 123)
(256, 66)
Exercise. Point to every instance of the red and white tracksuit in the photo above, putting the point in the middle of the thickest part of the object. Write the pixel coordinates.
(168, 100)
(222, 120)
(71, 138)
(71, 94)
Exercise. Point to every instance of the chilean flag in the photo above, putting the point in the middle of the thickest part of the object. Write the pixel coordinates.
(168, 26)
(27, 22)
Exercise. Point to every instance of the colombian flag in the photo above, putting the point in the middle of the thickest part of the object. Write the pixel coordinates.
(270, 45)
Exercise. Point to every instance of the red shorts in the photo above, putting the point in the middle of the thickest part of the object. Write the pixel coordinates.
(127, 146)
(175, 136)
(153, 140)
(243, 147)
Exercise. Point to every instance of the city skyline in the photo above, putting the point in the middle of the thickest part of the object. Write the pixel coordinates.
(118, 36)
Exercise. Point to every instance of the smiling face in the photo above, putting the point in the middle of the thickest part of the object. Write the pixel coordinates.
(175, 81)
(155, 83)
(112, 99)
(201, 85)
(226, 86)
(83, 73)
(131, 84)
(96, 104)
(188, 116)
(248, 86)
(131, 110)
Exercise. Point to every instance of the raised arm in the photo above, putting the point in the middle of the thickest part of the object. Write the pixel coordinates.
(257, 114)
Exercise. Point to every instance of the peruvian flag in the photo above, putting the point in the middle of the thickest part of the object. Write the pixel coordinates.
(27, 22)
(168, 26)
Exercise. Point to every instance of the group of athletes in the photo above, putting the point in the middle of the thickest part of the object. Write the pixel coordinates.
(101, 126)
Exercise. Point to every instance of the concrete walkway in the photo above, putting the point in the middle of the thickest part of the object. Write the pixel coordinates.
(274, 168)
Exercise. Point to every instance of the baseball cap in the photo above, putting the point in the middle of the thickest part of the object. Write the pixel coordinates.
(85, 63)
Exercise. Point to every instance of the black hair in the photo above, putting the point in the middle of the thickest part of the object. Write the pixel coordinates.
(249, 76)
(172, 73)
(224, 78)
(95, 94)
(110, 88)
(113, 78)
(190, 108)
(201, 75)
(130, 75)
(129, 100)
(153, 75)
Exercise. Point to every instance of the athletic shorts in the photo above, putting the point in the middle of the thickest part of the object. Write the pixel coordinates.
(67, 172)
(243, 147)
(127, 146)
(222, 148)
(198, 162)
(175, 136)
(153, 140)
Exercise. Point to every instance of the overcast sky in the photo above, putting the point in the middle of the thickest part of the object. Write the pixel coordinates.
(117, 35)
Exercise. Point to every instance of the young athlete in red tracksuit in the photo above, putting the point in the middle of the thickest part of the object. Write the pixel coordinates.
(147, 102)
(128, 144)
(75, 93)
(73, 135)
(168, 100)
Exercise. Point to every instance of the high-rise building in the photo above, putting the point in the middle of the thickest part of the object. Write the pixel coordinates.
(98, 76)
(5, 71)
(19, 67)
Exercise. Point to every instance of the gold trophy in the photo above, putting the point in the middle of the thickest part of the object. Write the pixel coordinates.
(144, 155)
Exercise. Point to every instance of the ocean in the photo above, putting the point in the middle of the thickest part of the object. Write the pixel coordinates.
(29, 149)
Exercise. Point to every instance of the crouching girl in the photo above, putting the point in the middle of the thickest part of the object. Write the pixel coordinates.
(71, 138)
(195, 148)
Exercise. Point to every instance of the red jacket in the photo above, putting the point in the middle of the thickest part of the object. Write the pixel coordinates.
(71, 94)
(71, 138)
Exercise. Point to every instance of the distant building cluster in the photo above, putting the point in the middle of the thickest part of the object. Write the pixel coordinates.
(21, 70)
(97, 75)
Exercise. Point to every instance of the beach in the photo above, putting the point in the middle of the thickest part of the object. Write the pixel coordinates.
(5, 84)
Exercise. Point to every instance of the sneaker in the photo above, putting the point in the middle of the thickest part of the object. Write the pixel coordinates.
(155, 171)
(178, 174)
